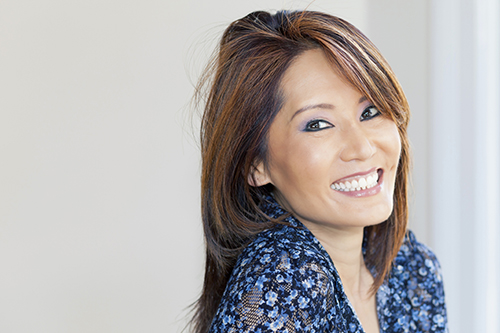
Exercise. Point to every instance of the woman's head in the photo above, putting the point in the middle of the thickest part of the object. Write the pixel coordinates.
(332, 156)
(246, 93)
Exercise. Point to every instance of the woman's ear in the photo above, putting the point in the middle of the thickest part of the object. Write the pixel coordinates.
(258, 175)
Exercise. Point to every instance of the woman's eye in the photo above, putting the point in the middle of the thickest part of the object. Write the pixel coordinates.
(317, 125)
(369, 113)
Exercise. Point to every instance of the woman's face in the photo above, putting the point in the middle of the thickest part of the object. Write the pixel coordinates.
(332, 156)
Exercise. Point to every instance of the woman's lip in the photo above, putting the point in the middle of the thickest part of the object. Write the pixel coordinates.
(354, 175)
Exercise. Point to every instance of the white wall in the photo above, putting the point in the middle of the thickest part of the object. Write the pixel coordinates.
(98, 181)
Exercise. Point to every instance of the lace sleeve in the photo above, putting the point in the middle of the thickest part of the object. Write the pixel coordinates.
(276, 294)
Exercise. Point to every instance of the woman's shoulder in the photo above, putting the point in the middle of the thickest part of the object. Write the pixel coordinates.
(416, 264)
(414, 295)
(277, 276)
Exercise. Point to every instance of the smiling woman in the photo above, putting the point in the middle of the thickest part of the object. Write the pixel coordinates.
(304, 186)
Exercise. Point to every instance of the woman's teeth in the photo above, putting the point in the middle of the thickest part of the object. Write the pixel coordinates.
(358, 184)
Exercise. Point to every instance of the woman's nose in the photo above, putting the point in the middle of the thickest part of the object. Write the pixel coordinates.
(357, 145)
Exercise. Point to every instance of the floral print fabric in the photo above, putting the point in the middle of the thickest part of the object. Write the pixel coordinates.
(285, 281)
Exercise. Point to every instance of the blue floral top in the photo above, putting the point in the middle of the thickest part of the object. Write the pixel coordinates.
(285, 281)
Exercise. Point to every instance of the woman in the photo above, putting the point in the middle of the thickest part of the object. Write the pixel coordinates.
(305, 163)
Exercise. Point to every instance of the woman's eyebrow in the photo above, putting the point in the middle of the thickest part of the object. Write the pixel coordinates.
(322, 106)
(313, 106)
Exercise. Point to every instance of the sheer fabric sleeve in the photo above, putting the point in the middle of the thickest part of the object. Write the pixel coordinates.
(285, 292)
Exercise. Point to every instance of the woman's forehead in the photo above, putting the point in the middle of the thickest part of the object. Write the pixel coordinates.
(312, 79)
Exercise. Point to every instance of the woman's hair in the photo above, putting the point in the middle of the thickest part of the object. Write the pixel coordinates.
(242, 97)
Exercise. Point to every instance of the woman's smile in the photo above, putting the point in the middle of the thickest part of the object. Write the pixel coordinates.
(360, 184)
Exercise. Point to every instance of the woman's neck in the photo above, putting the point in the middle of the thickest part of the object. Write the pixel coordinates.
(345, 249)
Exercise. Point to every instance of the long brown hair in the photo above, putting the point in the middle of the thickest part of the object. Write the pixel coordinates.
(243, 97)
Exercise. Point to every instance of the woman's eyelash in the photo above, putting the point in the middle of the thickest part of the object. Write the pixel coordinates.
(317, 125)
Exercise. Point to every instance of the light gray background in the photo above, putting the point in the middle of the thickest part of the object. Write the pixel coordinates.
(99, 168)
